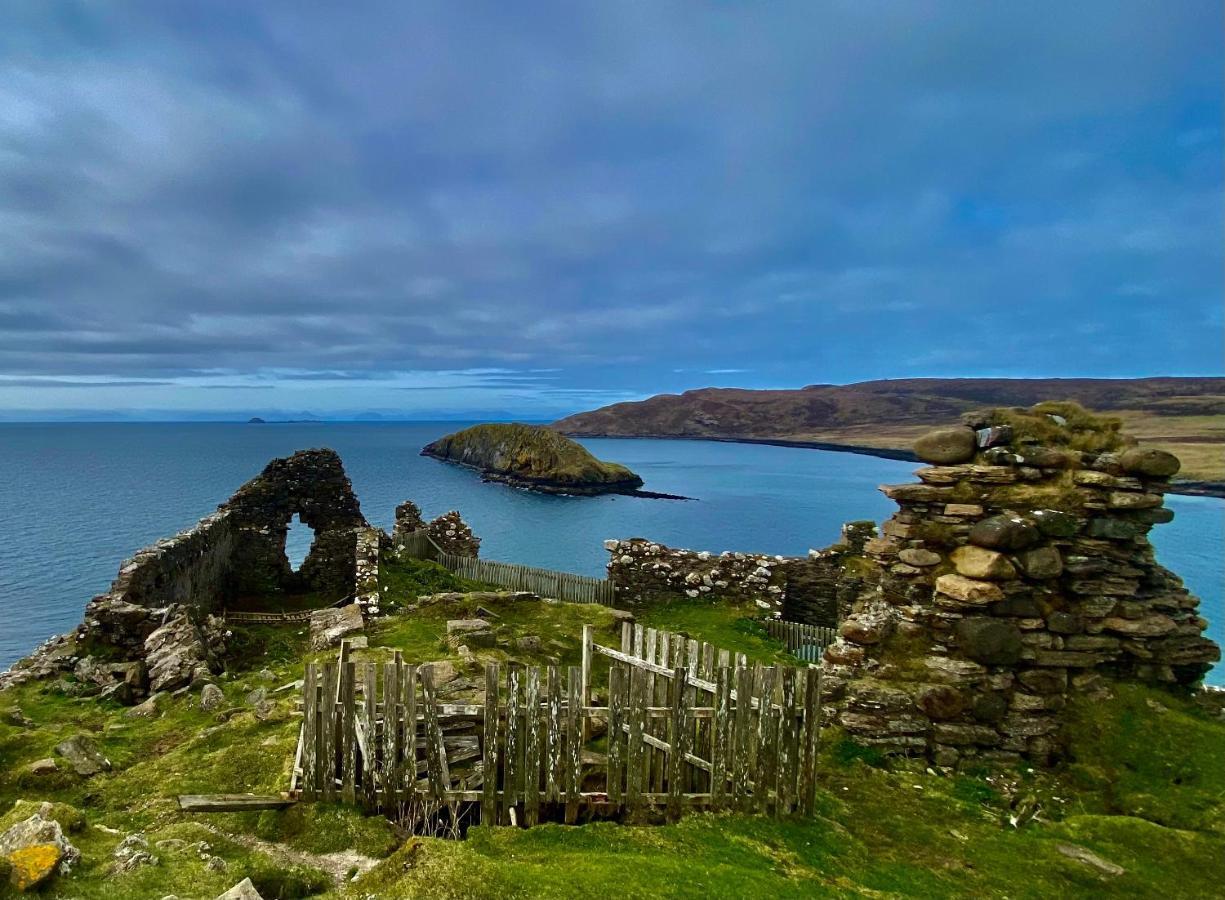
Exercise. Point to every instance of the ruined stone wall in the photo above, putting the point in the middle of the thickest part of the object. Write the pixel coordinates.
(452, 535)
(643, 570)
(366, 569)
(1012, 577)
(189, 569)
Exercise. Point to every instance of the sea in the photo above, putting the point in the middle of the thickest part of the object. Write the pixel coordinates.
(77, 499)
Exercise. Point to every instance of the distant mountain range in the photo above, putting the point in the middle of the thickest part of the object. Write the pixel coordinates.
(1185, 414)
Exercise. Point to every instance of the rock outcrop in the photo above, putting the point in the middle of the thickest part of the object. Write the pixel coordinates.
(533, 457)
(35, 849)
(1008, 581)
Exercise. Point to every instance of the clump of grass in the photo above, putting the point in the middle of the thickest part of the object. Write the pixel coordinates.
(403, 579)
(1083, 431)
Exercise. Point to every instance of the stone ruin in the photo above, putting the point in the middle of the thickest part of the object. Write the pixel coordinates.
(1015, 574)
(449, 532)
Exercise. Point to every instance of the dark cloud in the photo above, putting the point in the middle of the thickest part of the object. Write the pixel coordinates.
(640, 196)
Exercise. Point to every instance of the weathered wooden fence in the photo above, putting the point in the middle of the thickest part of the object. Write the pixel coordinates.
(807, 642)
(696, 731)
(278, 618)
(546, 582)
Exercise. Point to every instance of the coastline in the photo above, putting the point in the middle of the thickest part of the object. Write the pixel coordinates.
(1186, 488)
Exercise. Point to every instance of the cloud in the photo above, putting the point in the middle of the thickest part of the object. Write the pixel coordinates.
(628, 196)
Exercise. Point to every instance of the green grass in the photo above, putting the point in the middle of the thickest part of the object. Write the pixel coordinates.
(402, 581)
(1144, 789)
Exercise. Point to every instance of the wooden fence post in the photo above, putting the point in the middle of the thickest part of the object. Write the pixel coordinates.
(743, 735)
(616, 740)
(370, 697)
(310, 726)
(812, 734)
(531, 765)
(553, 737)
(330, 683)
(348, 754)
(489, 764)
(574, 743)
(633, 755)
(721, 747)
(514, 744)
(788, 744)
(391, 741)
(435, 752)
(408, 701)
(679, 741)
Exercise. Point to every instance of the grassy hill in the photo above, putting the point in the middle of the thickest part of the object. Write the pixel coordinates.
(1183, 415)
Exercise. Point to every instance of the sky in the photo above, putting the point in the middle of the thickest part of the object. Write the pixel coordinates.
(467, 209)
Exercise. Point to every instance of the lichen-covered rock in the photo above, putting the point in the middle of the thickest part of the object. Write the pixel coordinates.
(211, 697)
(968, 590)
(244, 890)
(36, 849)
(947, 446)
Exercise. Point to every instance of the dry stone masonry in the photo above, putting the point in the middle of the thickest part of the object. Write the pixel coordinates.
(452, 535)
(1016, 573)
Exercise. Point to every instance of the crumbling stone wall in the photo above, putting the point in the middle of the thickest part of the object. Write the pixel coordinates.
(643, 570)
(1013, 576)
(313, 484)
(408, 520)
(452, 535)
(240, 549)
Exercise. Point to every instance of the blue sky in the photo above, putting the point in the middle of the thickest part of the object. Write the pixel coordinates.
(480, 209)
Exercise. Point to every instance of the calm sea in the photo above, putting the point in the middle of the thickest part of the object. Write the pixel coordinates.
(75, 500)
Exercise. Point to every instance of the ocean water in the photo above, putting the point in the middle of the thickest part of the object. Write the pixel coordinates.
(77, 499)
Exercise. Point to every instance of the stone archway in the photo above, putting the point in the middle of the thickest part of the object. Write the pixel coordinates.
(312, 486)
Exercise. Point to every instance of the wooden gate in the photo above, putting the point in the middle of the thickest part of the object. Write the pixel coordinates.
(674, 737)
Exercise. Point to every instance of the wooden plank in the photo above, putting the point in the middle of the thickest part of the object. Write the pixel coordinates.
(330, 685)
(438, 772)
(391, 703)
(585, 697)
(652, 761)
(634, 747)
(489, 758)
(514, 742)
(554, 776)
(812, 733)
(720, 750)
(679, 735)
(743, 739)
(310, 725)
(408, 713)
(638, 641)
(370, 696)
(574, 743)
(693, 663)
(209, 803)
(788, 744)
(616, 741)
(627, 637)
(348, 752)
(660, 696)
(532, 748)
(767, 738)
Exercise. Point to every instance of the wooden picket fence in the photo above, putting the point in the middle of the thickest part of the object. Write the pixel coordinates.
(512, 576)
(807, 642)
(701, 732)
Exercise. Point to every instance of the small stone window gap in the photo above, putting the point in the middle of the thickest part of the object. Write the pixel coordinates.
(298, 541)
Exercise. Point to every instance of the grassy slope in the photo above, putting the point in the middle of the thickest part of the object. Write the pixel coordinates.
(1147, 792)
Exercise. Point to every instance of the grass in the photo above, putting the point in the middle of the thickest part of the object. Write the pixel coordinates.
(1144, 789)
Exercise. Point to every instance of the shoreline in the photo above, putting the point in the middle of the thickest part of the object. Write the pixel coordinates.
(1214, 489)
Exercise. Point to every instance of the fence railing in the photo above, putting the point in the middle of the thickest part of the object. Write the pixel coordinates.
(807, 642)
(545, 582)
(278, 618)
(682, 736)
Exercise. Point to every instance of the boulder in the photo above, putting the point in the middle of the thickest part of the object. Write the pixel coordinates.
(132, 853)
(947, 446)
(83, 756)
(1041, 563)
(1149, 462)
(329, 626)
(148, 709)
(211, 697)
(978, 562)
(182, 652)
(42, 767)
(463, 626)
(992, 642)
(1004, 533)
(968, 590)
(244, 890)
(36, 849)
(917, 556)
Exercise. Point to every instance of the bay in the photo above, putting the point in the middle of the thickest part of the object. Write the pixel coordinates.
(77, 499)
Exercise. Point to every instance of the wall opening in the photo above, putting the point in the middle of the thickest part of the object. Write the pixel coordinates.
(298, 541)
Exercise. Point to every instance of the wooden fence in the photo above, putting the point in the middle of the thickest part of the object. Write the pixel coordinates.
(278, 618)
(698, 732)
(545, 582)
(807, 642)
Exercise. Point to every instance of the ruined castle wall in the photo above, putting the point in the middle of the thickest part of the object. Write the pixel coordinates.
(1004, 585)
